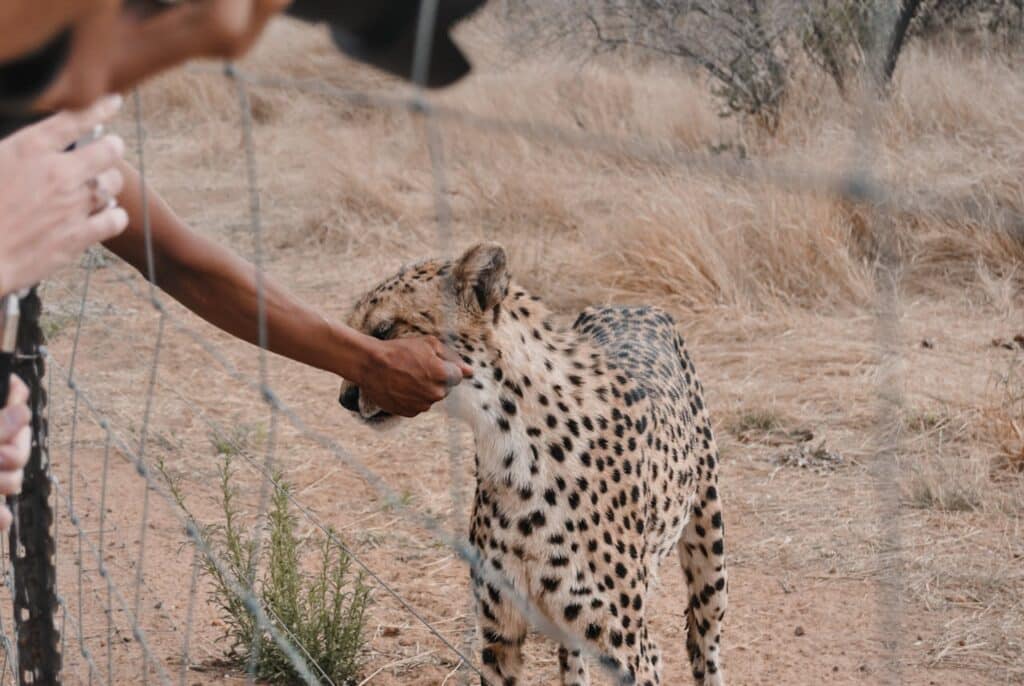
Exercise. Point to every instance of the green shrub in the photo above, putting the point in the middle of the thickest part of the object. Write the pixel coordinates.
(322, 612)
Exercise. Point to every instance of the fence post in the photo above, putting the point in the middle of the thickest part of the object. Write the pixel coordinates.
(33, 552)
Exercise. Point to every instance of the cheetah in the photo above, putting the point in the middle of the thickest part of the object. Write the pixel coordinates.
(595, 458)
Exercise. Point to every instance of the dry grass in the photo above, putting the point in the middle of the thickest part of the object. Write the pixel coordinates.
(775, 288)
(949, 143)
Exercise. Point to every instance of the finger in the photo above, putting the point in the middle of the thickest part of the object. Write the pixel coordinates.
(10, 482)
(408, 409)
(13, 419)
(112, 181)
(452, 375)
(73, 206)
(93, 159)
(56, 133)
(5, 519)
(18, 391)
(455, 358)
(101, 226)
(105, 190)
(19, 449)
(15, 455)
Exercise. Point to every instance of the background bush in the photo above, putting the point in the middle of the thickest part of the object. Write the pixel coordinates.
(750, 49)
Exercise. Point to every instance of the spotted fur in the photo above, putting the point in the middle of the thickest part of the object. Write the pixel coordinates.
(595, 458)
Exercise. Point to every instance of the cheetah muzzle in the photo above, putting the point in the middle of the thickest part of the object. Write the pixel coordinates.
(595, 459)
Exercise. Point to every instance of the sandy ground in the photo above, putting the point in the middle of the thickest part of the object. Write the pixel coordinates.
(806, 603)
(806, 545)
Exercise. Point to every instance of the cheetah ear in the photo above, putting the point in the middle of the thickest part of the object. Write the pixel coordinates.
(481, 276)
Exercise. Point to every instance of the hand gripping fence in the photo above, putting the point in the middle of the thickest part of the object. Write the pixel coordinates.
(44, 625)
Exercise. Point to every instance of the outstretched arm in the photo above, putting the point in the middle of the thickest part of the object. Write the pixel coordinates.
(404, 376)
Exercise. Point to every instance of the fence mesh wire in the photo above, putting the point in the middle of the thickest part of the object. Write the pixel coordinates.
(127, 615)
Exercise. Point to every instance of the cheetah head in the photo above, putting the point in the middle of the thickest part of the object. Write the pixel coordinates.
(457, 301)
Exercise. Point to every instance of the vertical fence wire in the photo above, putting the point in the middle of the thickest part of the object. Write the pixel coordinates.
(256, 231)
(425, 32)
(887, 273)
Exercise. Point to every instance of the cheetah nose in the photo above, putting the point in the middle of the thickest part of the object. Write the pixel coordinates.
(350, 398)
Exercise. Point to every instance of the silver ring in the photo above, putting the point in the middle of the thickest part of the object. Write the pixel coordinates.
(101, 199)
(105, 199)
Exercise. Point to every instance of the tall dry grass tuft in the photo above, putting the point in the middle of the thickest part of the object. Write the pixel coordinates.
(715, 245)
(1004, 419)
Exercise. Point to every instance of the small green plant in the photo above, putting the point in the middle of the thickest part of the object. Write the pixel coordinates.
(237, 440)
(322, 612)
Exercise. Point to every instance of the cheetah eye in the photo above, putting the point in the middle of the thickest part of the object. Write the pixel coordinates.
(384, 330)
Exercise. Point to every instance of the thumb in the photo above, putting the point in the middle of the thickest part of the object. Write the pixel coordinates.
(452, 375)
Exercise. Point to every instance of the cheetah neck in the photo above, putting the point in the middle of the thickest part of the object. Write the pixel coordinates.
(531, 379)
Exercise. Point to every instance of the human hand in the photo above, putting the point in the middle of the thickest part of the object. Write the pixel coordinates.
(15, 443)
(117, 47)
(407, 375)
(55, 204)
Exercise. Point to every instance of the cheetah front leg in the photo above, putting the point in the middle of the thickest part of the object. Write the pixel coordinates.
(572, 667)
(503, 631)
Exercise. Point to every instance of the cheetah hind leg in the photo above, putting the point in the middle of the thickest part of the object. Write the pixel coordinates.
(702, 556)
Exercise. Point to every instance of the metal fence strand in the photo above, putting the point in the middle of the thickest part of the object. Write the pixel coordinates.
(193, 590)
(101, 565)
(887, 333)
(256, 230)
(83, 651)
(147, 228)
(425, 31)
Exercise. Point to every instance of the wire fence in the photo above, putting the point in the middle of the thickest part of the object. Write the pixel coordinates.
(130, 605)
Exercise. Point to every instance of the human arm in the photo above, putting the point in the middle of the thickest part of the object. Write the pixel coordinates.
(114, 45)
(27, 25)
(404, 377)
